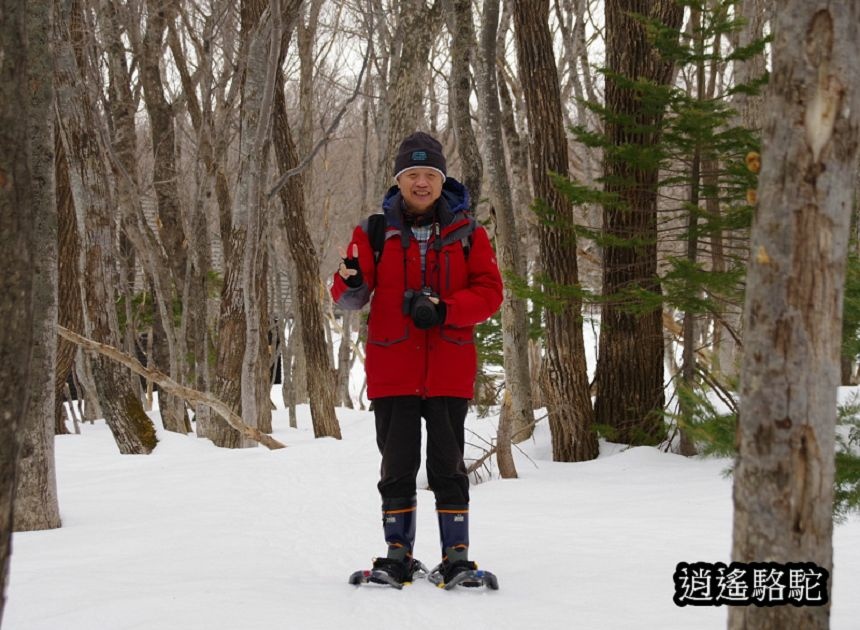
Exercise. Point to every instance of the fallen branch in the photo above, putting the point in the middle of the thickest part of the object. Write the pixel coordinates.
(169, 385)
(476, 464)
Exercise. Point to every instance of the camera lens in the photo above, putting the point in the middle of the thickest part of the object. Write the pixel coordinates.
(423, 312)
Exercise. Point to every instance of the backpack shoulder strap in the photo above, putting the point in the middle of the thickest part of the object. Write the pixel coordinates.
(376, 234)
(464, 235)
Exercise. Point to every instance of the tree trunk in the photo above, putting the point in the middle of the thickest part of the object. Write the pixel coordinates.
(518, 391)
(344, 360)
(630, 395)
(36, 505)
(783, 481)
(209, 178)
(307, 291)
(238, 374)
(686, 445)
(264, 360)
(68, 295)
(171, 409)
(459, 17)
(25, 188)
(520, 184)
(131, 428)
(564, 379)
(403, 103)
(754, 15)
(289, 389)
(170, 345)
(157, 262)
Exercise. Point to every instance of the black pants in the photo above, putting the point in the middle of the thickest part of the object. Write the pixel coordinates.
(398, 436)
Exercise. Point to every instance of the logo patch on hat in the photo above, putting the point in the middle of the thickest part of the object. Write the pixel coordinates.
(419, 156)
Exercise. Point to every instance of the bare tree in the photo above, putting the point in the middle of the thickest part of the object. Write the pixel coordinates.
(783, 482)
(84, 149)
(459, 16)
(307, 295)
(210, 119)
(169, 344)
(520, 411)
(238, 377)
(564, 380)
(417, 24)
(68, 295)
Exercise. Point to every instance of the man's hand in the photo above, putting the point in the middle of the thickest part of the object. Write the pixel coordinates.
(349, 269)
(426, 317)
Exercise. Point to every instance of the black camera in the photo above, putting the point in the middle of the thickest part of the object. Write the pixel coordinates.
(420, 308)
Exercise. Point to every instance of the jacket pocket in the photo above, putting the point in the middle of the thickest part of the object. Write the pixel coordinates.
(387, 338)
(387, 331)
(458, 336)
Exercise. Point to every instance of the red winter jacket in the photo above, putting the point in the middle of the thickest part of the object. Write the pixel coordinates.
(403, 360)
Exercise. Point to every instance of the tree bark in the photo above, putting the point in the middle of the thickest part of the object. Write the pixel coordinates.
(564, 380)
(68, 295)
(36, 504)
(238, 377)
(518, 395)
(344, 360)
(459, 17)
(307, 291)
(630, 395)
(418, 24)
(754, 15)
(25, 94)
(783, 481)
(169, 343)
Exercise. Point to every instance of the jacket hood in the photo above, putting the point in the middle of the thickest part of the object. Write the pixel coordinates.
(454, 200)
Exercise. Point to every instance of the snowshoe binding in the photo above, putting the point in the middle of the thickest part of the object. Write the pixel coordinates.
(466, 573)
(390, 572)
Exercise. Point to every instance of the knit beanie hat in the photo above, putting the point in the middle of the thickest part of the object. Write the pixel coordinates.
(419, 150)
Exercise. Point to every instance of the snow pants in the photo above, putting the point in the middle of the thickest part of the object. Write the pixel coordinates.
(398, 436)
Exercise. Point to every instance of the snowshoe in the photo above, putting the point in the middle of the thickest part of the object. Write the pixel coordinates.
(462, 573)
(390, 572)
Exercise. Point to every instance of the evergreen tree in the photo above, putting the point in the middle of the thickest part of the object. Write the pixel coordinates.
(703, 186)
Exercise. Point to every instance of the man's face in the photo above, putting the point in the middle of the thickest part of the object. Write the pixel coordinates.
(420, 187)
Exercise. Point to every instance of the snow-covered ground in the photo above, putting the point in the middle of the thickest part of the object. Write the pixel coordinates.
(195, 537)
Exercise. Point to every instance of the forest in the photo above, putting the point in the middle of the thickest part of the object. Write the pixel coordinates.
(677, 178)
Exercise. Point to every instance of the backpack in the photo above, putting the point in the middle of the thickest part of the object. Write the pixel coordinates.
(376, 235)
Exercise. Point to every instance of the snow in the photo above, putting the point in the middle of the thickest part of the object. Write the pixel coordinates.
(194, 536)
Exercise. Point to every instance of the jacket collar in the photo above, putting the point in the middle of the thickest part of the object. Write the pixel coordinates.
(449, 208)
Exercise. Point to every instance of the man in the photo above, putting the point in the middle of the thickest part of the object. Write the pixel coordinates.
(432, 279)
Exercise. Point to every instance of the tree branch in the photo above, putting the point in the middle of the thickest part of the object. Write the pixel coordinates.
(169, 385)
(282, 180)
